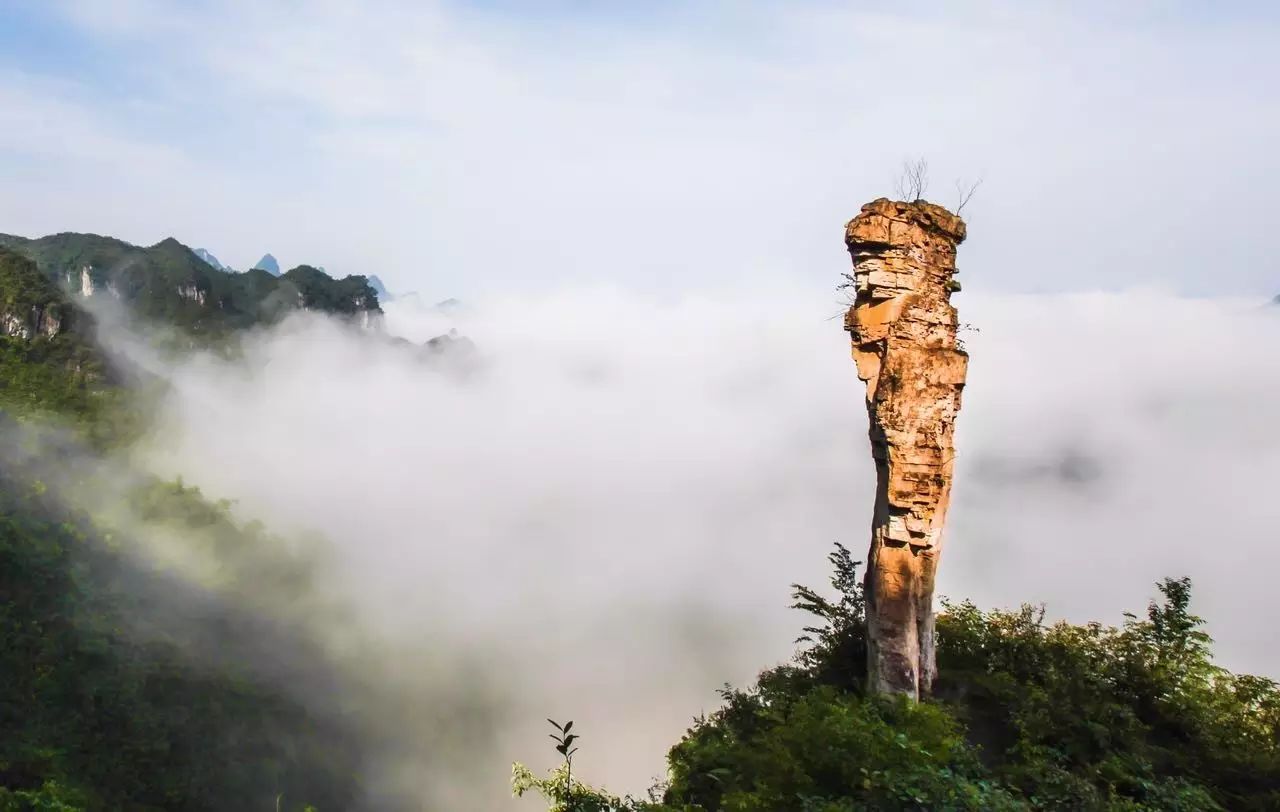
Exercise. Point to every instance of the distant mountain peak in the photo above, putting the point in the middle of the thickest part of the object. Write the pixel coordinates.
(378, 287)
(269, 264)
(211, 259)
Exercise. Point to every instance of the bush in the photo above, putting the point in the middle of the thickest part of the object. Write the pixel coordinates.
(1026, 715)
(820, 749)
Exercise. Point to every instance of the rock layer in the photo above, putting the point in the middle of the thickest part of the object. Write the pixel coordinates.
(903, 329)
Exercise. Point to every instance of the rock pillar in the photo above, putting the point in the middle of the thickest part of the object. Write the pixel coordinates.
(903, 329)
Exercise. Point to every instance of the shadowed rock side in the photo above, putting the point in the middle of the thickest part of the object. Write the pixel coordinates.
(903, 329)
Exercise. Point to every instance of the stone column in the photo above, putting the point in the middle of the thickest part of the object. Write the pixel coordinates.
(903, 329)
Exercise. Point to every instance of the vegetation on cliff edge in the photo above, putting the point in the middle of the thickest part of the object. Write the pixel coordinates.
(1026, 715)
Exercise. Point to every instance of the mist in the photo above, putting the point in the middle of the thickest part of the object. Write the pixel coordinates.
(599, 515)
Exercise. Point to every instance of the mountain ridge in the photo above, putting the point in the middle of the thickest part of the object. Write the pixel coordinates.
(170, 283)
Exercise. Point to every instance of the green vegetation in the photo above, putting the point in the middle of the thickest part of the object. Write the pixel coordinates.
(318, 291)
(1026, 716)
(125, 685)
(61, 374)
(129, 688)
(58, 373)
(23, 289)
(169, 284)
(55, 370)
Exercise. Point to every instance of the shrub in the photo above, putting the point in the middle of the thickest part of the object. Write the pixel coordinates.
(1026, 715)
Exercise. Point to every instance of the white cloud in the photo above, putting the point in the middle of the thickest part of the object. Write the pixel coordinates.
(609, 511)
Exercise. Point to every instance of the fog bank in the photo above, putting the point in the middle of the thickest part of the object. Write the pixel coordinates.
(601, 513)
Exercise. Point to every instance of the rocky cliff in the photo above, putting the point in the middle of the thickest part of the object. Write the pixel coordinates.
(49, 361)
(903, 330)
(30, 305)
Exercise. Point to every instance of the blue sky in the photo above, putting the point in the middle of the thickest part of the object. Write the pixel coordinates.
(457, 147)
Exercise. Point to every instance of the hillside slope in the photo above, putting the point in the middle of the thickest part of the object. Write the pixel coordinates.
(123, 684)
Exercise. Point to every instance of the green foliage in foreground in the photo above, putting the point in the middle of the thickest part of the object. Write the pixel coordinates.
(1026, 716)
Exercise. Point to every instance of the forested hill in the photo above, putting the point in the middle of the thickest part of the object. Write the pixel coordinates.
(170, 284)
(124, 685)
(127, 687)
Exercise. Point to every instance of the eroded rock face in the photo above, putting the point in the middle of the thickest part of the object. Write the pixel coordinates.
(903, 329)
(191, 292)
(40, 320)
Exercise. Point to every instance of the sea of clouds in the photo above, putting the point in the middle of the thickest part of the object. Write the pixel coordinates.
(598, 516)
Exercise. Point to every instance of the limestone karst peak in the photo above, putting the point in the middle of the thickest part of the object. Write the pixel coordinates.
(269, 264)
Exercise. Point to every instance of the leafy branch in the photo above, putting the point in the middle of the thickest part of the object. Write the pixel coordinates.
(564, 746)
